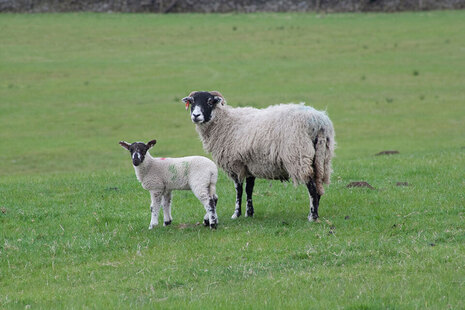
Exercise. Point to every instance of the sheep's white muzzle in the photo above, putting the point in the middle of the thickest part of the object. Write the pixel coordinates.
(197, 115)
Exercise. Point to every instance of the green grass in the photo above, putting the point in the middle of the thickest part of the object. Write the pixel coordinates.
(73, 220)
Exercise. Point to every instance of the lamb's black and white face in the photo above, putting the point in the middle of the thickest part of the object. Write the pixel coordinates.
(203, 105)
(138, 150)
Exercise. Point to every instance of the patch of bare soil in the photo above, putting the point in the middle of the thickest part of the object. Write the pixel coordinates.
(186, 225)
(360, 184)
(387, 153)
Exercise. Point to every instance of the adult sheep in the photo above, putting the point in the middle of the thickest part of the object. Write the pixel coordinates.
(281, 142)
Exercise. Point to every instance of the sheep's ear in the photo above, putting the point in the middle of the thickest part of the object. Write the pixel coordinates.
(151, 143)
(217, 100)
(188, 100)
(218, 97)
(125, 144)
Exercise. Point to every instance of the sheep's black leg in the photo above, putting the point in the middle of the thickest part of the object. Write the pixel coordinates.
(238, 211)
(250, 182)
(314, 201)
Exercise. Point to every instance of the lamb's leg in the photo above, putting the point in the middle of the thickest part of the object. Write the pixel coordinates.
(167, 209)
(238, 211)
(314, 201)
(213, 217)
(203, 195)
(250, 182)
(155, 208)
(206, 218)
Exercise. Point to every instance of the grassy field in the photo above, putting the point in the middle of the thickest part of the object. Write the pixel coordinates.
(73, 220)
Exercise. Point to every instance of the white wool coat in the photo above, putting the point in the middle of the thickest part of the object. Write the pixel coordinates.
(162, 175)
(286, 141)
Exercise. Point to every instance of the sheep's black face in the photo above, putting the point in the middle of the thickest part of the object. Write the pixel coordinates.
(138, 150)
(202, 106)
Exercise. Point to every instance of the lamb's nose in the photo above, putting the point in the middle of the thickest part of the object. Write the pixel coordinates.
(195, 115)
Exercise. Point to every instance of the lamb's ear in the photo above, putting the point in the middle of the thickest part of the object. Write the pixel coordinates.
(125, 144)
(218, 97)
(151, 143)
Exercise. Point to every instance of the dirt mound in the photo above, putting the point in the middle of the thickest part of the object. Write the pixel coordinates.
(387, 153)
(359, 184)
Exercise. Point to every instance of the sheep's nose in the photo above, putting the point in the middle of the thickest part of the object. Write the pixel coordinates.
(195, 115)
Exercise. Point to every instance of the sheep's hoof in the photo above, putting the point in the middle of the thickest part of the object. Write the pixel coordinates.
(206, 222)
(249, 213)
(167, 223)
(213, 226)
(235, 215)
(151, 226)
(313, 219)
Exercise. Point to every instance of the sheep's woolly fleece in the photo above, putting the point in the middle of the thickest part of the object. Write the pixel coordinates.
(284, 141)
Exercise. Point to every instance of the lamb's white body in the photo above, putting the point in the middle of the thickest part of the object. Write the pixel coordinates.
(160, 176)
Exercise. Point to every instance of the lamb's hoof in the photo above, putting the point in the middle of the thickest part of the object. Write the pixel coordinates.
(249, 213)
(206, 222)
(235, 215)
(167, 223)
(213, 226)
(313, 219)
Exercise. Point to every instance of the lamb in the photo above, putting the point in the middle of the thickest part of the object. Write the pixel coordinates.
(160, 176)
(282, 142)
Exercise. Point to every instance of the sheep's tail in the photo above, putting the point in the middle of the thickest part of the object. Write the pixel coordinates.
(324, 149)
